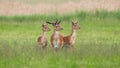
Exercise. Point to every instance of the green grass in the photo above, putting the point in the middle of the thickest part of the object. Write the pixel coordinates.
(97, 42)
(78, 15)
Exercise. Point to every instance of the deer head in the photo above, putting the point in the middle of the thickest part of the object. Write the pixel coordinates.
(75, 25)
(56, 25)
(45, 27)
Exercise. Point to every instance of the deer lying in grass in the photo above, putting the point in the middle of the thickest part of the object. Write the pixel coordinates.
(69, 40)
(56, 38)
(42, 40)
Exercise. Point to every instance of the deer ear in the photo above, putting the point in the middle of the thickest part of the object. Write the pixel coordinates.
(48, 22)
(42, 25)
(72, 22)
(76, 21)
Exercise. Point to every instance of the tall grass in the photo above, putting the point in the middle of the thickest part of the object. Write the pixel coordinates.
(97, 42)
(69, 16)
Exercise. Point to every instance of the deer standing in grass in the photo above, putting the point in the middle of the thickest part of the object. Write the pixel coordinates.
(69, 40)
(56, 38)
(42, 40)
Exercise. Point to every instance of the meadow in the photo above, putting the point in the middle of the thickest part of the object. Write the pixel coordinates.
(97, 42)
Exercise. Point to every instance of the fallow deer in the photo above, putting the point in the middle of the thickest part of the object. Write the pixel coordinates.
(42, 40)
(69, 40)
(56, 38)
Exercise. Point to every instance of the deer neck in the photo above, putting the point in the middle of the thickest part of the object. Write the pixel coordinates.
(44, 34)
(56, 34)
(73, 35)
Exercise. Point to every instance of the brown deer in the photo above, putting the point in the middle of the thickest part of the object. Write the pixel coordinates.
(69, 40)
(56, 38)
(42, 40)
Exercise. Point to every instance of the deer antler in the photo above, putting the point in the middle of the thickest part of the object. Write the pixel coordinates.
(59, 21)
(56, 21)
